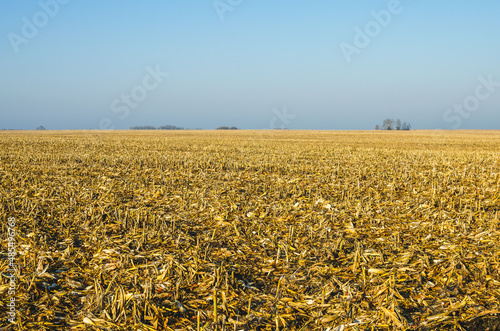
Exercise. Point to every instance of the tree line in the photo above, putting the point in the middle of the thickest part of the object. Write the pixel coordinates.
(390, 124)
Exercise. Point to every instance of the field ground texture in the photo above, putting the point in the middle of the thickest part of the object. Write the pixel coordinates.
(252, 230)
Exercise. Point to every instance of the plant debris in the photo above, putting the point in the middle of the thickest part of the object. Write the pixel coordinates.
(249, 230)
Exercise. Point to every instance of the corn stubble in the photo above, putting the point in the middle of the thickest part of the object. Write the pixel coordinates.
(253, 230)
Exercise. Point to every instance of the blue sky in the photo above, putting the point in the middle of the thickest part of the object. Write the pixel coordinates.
(252, 64)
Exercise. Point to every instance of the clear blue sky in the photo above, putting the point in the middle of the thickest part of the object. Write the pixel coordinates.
(77, 68)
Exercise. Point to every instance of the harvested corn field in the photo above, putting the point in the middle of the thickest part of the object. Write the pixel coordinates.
(252, 230)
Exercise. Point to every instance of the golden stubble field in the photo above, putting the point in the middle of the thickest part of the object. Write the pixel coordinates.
(252, 230)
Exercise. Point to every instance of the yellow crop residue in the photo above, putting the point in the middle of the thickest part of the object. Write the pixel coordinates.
(246, 230)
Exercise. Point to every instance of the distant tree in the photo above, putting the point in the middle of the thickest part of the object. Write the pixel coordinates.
(388, 124)
(406, 126)
(223, 128)
(398, 124)
(233, 128)
(41, 127)
(170, 127)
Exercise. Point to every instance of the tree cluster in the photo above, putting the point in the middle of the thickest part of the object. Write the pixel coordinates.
(227, 128)
(390, 124)
(170, 127)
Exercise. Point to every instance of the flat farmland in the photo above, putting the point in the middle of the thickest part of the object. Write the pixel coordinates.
(252, 230)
